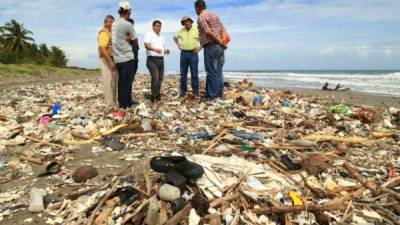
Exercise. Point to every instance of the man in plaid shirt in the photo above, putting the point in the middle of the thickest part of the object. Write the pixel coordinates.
(211, 29)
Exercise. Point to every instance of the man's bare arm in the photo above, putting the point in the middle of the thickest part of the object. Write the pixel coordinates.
(149, 47)
(177, 42)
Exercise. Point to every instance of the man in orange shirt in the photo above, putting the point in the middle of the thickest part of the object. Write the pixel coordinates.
(107, 65)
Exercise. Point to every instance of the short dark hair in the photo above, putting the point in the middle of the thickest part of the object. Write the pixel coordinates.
(200, 4)
(155, 22)
(108, 17)
(130, 20)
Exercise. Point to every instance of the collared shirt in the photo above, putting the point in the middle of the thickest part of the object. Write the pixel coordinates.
(209, 22)
(155, 41)
(122, 49)
(104, 40)
(189, 39)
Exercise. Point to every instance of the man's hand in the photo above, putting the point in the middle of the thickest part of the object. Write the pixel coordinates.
(159, 51)
(223, 45)
(197, 50)
(113, 66)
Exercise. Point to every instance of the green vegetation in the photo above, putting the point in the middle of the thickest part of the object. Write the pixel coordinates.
(29, 70)
(17, 46)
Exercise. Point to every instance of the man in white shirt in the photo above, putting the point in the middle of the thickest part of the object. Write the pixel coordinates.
(154, 43)
(121, 31)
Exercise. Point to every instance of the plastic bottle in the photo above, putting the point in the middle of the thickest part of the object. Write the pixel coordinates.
(57, 106)
(36, 200)
(257, 100)
(248, 136)
(146, 125)
(154, 212)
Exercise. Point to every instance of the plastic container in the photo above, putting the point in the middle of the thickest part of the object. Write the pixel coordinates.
(56, 109)
(36, 200)
(248, 136)
(153, 213)
(169, 192)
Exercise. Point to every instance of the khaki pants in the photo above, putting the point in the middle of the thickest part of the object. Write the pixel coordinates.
(110, 83)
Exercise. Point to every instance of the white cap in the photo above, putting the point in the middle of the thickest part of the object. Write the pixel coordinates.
(125, 5)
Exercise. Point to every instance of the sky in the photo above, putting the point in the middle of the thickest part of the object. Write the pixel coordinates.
(266, 35)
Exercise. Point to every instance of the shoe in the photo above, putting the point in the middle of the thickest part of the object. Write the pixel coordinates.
(174, 178)
(115, 145)
(127, 195)
(182, 95)
(180, 164)
(152, 99)
(52, 168)
(189, 169)
(158, 98)
(164, 164)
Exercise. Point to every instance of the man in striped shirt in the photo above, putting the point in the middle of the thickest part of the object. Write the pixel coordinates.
(211, 29)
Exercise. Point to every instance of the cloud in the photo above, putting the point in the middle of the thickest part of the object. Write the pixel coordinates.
(328, 51)
(277, 34)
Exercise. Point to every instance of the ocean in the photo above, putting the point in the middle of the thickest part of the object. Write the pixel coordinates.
(367, 81)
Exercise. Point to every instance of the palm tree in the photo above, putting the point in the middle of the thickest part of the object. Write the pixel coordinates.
(1, 38)
(16, 37)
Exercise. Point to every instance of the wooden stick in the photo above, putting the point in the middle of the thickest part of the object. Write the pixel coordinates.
(235, 219)
(354, 173)
(178, 217)
(44, 142)
(79, 135)
(215, 141)
(32, 160)
(219, 201)
(137, 211)
(77, 194)
(392, 183)
(215, 219)
(101, 202)
(102, 219)
(332, 205)
(148, 183)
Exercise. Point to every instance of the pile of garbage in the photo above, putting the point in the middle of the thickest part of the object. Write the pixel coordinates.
(258, 156)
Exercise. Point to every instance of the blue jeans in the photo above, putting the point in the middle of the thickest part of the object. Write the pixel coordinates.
(189, 59)
(126, 75)
(214, 62)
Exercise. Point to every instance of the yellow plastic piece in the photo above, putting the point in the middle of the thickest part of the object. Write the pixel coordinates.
(295, 198)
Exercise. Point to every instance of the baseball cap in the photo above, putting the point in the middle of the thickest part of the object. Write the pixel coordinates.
(125, 5)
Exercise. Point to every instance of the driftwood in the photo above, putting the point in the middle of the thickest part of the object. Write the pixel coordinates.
(219, 201)
(101, 202)
(102, 218)
(214, 142)
(335, 204)
(215, 219)
(179, 216)
(354, 173)
(44, 142)
(76, 195)
(137, 211)
(32, 160)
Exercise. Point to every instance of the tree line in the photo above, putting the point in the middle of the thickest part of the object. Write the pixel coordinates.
(18, 46)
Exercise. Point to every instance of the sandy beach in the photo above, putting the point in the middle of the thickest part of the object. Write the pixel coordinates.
(86, 100)
(358, 98)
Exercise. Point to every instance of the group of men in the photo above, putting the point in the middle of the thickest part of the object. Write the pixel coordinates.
(119, 46)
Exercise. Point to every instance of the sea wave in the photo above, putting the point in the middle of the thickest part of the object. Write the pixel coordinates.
(370, 82)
